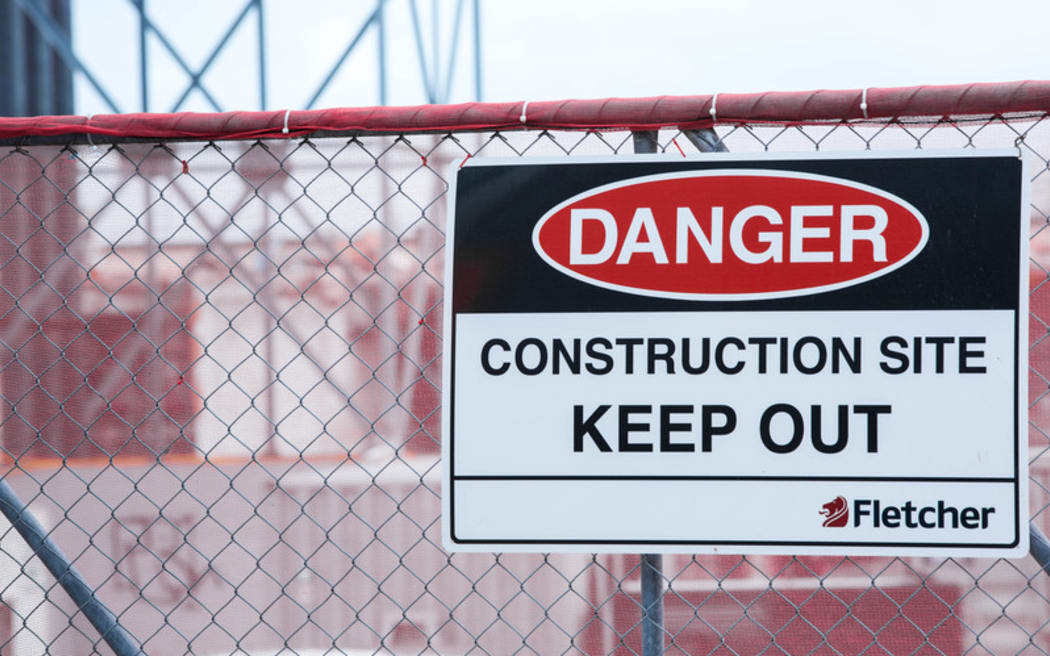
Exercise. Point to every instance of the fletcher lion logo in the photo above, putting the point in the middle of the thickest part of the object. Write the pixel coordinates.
(836, 512)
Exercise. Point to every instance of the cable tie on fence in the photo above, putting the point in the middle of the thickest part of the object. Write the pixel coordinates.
(714, 107)
(284, 130)
(524, 108)
(464, 160)
(185, 166)
(88, 134)
(864, 102)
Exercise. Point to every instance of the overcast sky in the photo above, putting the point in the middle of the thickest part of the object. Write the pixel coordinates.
(551, 49)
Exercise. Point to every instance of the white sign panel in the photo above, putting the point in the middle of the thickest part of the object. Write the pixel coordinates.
(811, 355)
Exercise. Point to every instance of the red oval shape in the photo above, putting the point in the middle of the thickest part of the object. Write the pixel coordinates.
(730, 234)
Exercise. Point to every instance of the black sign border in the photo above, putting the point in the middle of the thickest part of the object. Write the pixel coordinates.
(864, 547)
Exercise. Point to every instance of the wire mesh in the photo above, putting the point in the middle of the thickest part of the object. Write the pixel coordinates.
(220, 372)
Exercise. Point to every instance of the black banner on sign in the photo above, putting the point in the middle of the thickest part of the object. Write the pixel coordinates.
(970, 261)
(811, 354)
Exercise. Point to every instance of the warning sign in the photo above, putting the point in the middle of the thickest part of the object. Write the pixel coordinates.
(761, 355)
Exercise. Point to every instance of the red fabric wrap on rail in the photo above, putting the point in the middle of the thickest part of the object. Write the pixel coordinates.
(795, 108)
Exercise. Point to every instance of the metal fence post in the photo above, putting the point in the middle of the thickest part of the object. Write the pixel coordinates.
(652, 604)
(23, 521)
(706, 140)
(1039, 547)
(652, 576)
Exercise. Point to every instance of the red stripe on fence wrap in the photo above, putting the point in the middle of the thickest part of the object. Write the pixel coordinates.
(789, 107)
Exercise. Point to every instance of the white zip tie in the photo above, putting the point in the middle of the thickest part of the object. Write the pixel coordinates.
(524, 108)
(284, 130)
(714, 107)
(864, 102)
(88, 134)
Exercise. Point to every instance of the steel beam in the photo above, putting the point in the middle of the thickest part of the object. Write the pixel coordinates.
(477, 50)
(195, 78)
(361, 31)
(143, 55)
(175, 54)
(451, 69)
(428, 84)
(261, 37)
(12, 60)
(59, 41)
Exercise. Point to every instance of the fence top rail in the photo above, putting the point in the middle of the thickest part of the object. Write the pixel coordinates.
(876, 105)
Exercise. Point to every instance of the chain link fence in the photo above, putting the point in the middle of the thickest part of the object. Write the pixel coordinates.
(220, 371)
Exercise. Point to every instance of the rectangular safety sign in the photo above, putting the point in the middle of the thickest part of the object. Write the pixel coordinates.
(773, 354)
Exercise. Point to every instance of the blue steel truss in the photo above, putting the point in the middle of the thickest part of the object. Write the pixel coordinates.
(437, 79)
